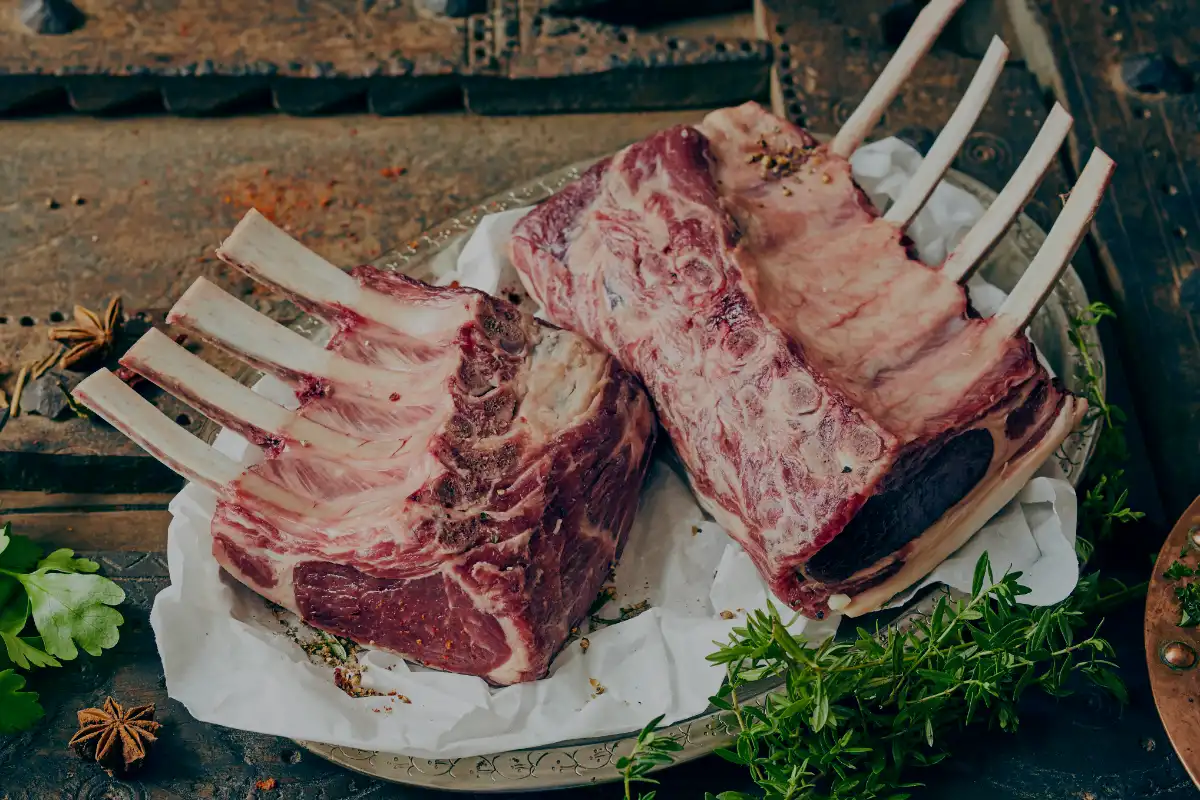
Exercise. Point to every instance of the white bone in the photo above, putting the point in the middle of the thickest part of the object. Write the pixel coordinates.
(137, 418)
(1055, 253)
(950, 140)
(920, 38)
(272, 257)
(970, 252)
(174, 446)
(234, 405)
(265, 344)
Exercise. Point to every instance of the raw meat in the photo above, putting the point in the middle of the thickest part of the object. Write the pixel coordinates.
(459, 478)
(839, 407)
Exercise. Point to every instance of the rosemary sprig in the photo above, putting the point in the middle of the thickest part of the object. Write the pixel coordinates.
(651, 750)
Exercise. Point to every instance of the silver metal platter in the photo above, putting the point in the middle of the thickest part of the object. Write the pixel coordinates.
(583, 762)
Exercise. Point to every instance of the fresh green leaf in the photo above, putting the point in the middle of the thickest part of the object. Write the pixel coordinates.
(64, 561)
(70, 609)
(18, 709)
(1178, 570)
(1189, 604)
(25, 652)
(17, 553)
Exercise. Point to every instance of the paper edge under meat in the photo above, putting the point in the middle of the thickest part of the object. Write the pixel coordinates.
(228, 660)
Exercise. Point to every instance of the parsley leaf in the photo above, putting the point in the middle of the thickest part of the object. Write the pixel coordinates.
(18, 709)
(70, 609)
(1178, 570)
(24, 652)
(1189, 605)
(70, 605)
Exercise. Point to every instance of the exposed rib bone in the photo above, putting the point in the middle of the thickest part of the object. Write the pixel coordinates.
(269, 255)
(269, 346)
(1062, 241)
(950, 140)
(1020, 187)
(920, 38)
(234, 405)
(137, 418)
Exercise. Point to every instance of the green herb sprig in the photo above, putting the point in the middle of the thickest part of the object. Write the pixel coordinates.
(854, 717)
(1105, 503)
(651, 750)
(1189, 604)
(49, 608)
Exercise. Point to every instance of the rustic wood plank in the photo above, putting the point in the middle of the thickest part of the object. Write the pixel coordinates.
(194, 57)
(1147, 227)
(158, 196)
(116, 522)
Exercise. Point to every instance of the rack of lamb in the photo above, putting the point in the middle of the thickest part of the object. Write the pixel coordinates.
(840, 408)
(455, 485)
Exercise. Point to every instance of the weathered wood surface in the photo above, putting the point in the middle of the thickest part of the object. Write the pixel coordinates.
(197, 57)
(1126, 72)
(160, 195)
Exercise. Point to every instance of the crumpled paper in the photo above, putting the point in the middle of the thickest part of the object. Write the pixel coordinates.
(228, 660)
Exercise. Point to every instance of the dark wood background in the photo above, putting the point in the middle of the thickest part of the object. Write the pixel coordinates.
(160, 191)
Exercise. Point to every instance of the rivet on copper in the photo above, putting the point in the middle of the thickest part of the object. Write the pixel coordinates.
(1178, 655)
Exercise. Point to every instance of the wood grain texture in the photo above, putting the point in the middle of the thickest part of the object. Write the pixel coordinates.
(1147, 228)
(194, 57)
(160, 195)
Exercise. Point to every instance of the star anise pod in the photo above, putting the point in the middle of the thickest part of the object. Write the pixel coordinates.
(115, 737)
(91, 334)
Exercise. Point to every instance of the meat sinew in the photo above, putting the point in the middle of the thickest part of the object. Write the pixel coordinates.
(456, 484)
(840, 408)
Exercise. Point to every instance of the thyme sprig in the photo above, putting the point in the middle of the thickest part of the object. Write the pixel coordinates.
(854, 717)
(649, 751)
(1105, 503)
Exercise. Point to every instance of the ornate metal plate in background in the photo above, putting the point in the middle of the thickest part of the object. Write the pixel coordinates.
(580, 762)
(1172, 652)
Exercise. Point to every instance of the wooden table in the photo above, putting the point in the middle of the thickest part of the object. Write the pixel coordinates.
(157, 194)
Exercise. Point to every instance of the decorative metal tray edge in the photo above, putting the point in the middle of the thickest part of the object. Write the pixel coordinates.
(582, 762)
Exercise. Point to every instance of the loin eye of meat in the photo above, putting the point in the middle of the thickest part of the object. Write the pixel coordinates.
(893, 518)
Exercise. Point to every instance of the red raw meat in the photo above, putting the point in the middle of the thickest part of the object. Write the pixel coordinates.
(838, 405)
(456, 485)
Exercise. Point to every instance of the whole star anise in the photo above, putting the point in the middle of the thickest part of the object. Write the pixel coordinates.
(90, 335)
(115, 737)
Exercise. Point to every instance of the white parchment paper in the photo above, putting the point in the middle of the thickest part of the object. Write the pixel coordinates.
(228, 660)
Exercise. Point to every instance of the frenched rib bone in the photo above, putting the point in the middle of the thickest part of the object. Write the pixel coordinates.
(840, 409)
(457, 481)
